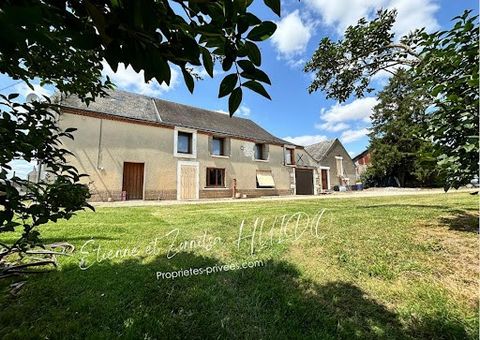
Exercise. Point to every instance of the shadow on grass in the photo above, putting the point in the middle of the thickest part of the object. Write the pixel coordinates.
(462, 221)
(270, 302)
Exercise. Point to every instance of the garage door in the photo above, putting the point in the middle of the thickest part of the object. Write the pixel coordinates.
(304, 181)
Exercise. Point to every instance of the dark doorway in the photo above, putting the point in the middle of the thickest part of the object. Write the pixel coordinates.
(133, 180)
(325, 179)
(304, 181)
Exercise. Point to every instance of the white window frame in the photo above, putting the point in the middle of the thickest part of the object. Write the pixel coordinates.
(341, 165)
(328, 176)
(225, 139)
(289, 148)
(175, 143)
(263, 151)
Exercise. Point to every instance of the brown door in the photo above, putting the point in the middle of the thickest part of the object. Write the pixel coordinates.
(304, 181)
(188, 182)
(324, 179)
(133, 180)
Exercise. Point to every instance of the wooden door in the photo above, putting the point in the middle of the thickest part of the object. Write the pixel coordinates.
(133, 180)
(304, 181)
(188, 182)
(324, 179)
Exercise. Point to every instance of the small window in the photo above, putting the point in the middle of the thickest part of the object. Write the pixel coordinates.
(265, 179)
(339, 161)
(290, 156)
(215, 177)
(184, 142)
(218, 146)
(259, 151)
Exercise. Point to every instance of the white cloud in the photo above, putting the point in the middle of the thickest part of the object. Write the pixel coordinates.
(412, 14)
(306, 140)
(40, 91)
(128, 79)
(243, 111)
(336, 117)
(332, 126)
(353, 135)
(292, 35)
(21, 168)
(200, 71)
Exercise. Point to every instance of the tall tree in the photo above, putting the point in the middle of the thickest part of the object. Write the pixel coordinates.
(396, 141)
(445, 65)
(449, 72)
(65, 43)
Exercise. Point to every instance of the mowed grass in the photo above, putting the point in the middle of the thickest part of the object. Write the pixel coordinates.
(402, 267)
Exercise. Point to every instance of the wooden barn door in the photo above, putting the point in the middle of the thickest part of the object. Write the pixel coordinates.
(304, 181)
(133, 180)
(188, 181)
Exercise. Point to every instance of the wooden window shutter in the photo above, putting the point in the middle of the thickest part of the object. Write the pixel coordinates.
(226, 146)
(210, 144)
(266, 150)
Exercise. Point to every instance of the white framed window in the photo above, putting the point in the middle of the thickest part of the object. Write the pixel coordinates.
(185, 143)
(289, 156)
(339, 163)
(261, 152)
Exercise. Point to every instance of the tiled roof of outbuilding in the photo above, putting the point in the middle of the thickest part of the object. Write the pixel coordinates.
(319, 150)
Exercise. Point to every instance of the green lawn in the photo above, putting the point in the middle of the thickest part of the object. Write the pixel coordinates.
(397, 267)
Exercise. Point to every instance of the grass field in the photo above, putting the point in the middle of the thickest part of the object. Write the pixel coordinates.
(387, 267)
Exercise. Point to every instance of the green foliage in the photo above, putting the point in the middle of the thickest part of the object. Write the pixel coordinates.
(449, 73)
(445, 68)
(346, 67)
(396, 138)
(376, 273)
(29, 131)
(63, 43)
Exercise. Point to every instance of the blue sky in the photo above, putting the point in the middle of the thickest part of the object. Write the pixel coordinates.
(292, 113)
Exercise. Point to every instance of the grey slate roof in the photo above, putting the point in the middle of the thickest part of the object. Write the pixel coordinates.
(319, 151)
(138, 107)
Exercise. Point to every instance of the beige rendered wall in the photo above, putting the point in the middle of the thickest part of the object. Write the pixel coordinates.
(153, 146)
(348, 165)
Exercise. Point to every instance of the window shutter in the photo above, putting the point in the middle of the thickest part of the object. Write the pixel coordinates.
(266, 149)
(226, 146)
(210, 144)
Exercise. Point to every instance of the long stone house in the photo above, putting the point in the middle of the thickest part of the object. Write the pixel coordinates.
(137, 147)
(335, 166)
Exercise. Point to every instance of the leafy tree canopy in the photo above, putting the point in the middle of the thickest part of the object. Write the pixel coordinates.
(64, 42)
(445, 69)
